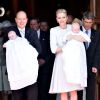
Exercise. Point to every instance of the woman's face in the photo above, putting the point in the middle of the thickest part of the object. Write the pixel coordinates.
(61, 19)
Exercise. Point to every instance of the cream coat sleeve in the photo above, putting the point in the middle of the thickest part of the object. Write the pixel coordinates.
(53, 40)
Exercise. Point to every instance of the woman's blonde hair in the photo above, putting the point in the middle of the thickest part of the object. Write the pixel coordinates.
(61, 11)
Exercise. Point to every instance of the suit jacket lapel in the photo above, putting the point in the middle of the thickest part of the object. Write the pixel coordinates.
(92, 38)
(18, 32)
(26, 32)
(92, 34)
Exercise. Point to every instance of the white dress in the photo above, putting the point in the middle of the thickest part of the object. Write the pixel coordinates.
(22, 64)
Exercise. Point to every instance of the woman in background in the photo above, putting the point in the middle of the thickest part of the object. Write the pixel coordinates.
(4, 83)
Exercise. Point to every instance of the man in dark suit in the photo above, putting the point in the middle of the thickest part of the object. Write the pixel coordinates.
(45, 62)
(29, 92)
(93, 55)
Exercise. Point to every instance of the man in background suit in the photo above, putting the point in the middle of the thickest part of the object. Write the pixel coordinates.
(93, 55)
(29, 92)
(45, 60)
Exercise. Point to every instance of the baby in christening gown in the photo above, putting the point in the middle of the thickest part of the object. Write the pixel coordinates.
(21, 60)
(74, 57)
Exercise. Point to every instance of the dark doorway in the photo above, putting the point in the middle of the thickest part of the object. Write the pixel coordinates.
(45, 8)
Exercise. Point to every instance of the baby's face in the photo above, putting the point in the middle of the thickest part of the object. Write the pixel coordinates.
(12, 35)
(75, 27)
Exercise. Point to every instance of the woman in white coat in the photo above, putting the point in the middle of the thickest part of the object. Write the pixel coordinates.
(58, 81)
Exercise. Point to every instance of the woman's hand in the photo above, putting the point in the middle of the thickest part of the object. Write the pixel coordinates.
(76, 37)
(58, 50)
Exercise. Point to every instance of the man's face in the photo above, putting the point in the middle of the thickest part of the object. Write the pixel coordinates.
(87, 23)
(34, 24)
(21, 20)
(44, 26)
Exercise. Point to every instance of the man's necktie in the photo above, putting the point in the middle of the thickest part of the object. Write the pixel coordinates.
(86, 32)
(22, 33)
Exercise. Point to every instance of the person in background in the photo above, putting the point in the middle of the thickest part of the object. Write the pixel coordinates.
(70, 19)
(34, 24)
(45, 61)
(44, 25)
(92, 53)
(5, 91)
(29, 92)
